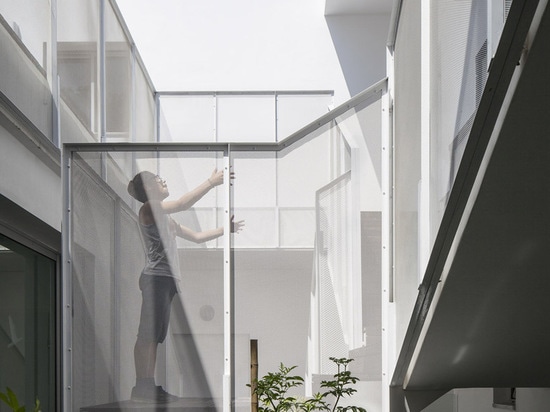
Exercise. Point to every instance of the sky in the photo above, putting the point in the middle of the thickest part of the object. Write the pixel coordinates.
(237, 44)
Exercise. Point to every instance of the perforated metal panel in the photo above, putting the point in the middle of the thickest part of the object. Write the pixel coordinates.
(459, 67)
(334, 270)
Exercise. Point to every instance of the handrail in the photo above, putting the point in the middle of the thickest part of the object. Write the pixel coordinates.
(370, 94)
(244, 92)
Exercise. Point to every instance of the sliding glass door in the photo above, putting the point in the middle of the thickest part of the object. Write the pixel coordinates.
(27, 324)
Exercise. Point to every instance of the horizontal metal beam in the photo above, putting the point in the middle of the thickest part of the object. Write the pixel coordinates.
(246, 93)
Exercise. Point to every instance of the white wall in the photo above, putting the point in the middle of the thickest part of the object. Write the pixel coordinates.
(532, 399)
(255, 45)
(481, 400)
(27, 181)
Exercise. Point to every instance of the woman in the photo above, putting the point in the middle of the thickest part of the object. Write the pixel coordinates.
(159, 279)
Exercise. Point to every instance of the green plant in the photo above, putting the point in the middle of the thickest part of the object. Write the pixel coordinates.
(11, 400)
(339, 386)
(273, 397)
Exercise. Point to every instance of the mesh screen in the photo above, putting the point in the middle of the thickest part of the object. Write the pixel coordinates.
(93, 295)
(108, 256)
(334, 263)
(459, 71)
(287, 293)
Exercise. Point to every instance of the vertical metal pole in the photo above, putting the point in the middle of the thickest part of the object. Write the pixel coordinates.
(316, 312)
(101, 71)
(157, 117)
(216, 118)
(116, 266)
(387, 267)
(66, 284)
(55, 86)
(276, 117)
(353, 221)
(102, 88)
(227, 287)
(133, 99)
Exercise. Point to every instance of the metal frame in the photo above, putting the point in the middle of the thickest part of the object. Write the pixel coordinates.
(66, 296)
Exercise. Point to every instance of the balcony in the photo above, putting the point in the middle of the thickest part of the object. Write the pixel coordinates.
(293, 279)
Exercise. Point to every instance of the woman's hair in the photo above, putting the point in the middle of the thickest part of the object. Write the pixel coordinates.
(136, 186)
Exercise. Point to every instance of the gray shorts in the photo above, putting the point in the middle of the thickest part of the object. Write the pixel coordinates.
(157, 293)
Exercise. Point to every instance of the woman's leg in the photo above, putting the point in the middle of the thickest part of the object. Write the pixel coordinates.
(145, 358)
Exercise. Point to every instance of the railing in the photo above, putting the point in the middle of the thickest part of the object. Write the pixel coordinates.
(233, 116)
(231, 289)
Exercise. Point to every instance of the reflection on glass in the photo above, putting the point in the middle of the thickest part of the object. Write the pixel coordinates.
(118, 78)
(26, 59)
(77, 65)
(143, 120)
(32, 28)
(27, 328)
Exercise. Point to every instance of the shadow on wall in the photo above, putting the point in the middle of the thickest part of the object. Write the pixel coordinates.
(363, 63)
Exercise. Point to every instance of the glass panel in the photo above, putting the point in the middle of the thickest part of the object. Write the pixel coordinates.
(144, 116)
(296, 184)
(257, 112)
(77, 62)
(26, 54)
(189, 118)
(296, 111)
(27, 324)
(118, 78)
(297, 226)
(32, 29)
(119, 246)
(210, 116)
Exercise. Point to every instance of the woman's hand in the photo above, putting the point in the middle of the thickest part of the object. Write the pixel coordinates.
(237, 226)
(217, 176)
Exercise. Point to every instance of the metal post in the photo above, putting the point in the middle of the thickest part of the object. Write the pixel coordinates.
(228, 288)
(101, 71)
(102, 88)
(66, 280)
(387, 267)
(55, 84)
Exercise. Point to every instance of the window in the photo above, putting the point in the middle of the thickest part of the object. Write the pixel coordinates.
(27, 324)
